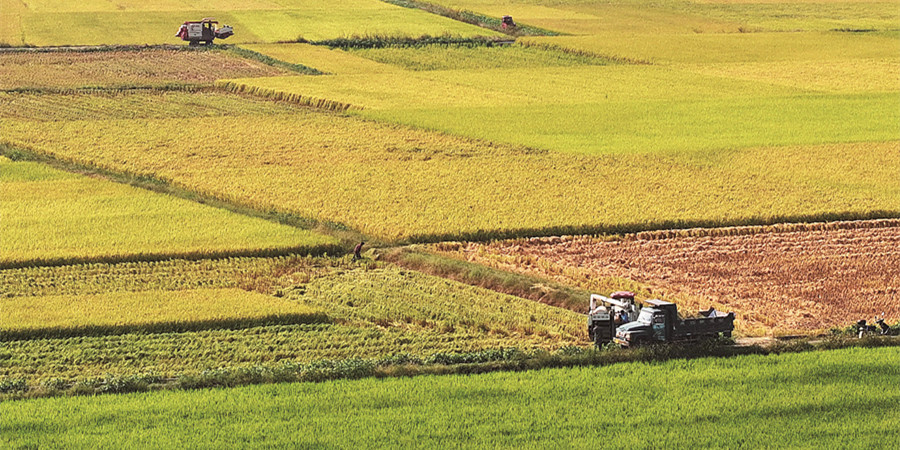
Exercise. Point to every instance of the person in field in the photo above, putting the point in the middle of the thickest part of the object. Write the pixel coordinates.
(356, 250)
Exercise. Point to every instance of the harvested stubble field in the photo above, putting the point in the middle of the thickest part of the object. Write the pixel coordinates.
(123, 68)
(783, 279)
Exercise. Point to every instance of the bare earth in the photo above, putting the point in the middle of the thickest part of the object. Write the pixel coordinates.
(782, 279)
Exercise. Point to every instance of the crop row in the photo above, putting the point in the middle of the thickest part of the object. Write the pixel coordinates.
(264, 275)
(145, 311)
(191, 352)
(414, 301)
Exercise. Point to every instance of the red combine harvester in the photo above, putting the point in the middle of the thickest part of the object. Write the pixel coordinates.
(203, 31)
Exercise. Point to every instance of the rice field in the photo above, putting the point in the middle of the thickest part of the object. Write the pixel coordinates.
(51, 216)
(134, 23)
(796, 279)
(821, 399)
(408, 184)
(91, 314)
(176, 318)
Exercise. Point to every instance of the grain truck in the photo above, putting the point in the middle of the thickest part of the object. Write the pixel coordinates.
(659, 322)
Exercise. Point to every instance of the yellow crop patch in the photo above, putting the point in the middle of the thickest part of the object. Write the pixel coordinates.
(152, 310)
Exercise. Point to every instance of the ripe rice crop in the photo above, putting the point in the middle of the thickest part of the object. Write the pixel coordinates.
(123, 68)
(329, 60)
(94, 23)
(780, 281)
(462, 57)
(50, 216)
(409, 184)
(824, 399)
(378, 312)
(700, 48)
(432, 303)
(79, 314)
(183, 353)
(263, 275)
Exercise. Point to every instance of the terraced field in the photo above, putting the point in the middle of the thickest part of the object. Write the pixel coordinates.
(340, 122)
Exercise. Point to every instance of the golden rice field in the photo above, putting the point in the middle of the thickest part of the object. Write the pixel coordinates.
(91, 314)
(586, 17)
(123, 68)
(98, 22)
(51, 216)
(400, 183)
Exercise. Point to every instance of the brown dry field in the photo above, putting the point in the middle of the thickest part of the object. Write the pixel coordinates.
(778, 279)
(121, 68)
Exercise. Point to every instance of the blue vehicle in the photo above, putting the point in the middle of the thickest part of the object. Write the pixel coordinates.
(659, 322)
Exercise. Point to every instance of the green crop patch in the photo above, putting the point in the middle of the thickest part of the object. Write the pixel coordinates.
(50, 216)
(455, 57)
(824, 399)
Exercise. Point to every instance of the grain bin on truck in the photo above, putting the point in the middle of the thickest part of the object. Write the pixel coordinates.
(203, 31)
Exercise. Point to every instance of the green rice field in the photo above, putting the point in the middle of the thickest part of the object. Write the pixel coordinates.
(822, 399)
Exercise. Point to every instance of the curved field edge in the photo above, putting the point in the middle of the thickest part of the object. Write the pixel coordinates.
(831, 398)
(53, 217)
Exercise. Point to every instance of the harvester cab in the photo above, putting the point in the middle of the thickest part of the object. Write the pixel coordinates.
(607, 313)
(203, 31)
(507, 22)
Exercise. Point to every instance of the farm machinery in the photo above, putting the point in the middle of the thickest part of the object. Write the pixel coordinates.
(203, 31)
(618, 319)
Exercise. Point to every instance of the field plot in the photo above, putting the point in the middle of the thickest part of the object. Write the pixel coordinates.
(123, 68)
(187, 316)
(827, 399)
(91, 314)
(131, 22)
(54, 216)
(579, 17)
(781, 281)
(731, 48)
(417, 185)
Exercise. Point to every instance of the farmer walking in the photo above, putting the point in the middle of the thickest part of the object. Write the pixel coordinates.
(356, 251)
